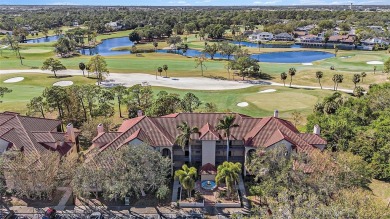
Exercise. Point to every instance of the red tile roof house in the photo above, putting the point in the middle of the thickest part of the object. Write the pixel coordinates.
(342, 39)
(32, 135)
(209, 145)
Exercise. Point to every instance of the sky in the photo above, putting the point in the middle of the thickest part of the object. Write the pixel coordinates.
(194, 2)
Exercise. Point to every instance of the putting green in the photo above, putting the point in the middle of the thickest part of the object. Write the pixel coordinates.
(35, 50)
(282, 100)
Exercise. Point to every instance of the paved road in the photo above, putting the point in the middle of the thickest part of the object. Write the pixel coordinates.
(191, 83)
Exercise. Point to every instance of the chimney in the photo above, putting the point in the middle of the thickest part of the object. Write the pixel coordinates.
(70, 132)
(140, 113)
(317, 130)
(276, 113)
(100, 128)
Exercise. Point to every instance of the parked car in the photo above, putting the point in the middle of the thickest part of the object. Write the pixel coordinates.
(50, 213)
(96, 215)
(11, 215)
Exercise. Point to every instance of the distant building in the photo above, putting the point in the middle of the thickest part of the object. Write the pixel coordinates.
(342, 39)
(283, 37)
(376, 28)
(114, 25)
(75, 23)
(262, 36)
(311, 39)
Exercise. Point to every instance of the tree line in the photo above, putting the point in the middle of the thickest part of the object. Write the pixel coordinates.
(358, 125)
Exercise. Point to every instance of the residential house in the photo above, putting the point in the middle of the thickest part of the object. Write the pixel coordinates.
(35, 135)
(342, 39)
(298, 34)
(208, 147)
(283, 37)
(370, 43)
(75, 23)
(376, 28)
(311, 39)
(262, 36)
(113, 25)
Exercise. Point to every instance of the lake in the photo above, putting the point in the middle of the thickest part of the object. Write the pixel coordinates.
(105, 49)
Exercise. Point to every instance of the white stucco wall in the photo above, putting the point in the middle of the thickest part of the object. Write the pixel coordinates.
(208, 152)
(285, 143)
(3, 145)
(207, 177)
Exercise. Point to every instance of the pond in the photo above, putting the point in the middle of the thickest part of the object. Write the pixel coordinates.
(292, 57)
(43, 39)
(105, 49)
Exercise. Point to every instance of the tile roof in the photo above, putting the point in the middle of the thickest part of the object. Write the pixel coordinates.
(29, 133)
(312, 139)
(208, 168)
(162, 131)
(207, 132)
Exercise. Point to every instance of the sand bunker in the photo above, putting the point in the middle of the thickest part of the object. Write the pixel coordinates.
(267, 91)
(309, 63)
(13, 80)
(63, 83)
(242, 104)
(375, 63)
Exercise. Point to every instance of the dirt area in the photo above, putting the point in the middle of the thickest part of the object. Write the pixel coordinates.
(14, 201)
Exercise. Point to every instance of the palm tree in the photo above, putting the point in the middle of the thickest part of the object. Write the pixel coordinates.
(363, 75)
(334, 79)
(155, 44)
(82, 67)
(292, 72)
(319, 75)
(283, 76)
(184, 138)
(340, 79)
(165, 68)
(336, 49)
(160, 70)
(229, 173)
(374, 69)
(356, 79)
(186, 176)
(258, 44)
(226, 124)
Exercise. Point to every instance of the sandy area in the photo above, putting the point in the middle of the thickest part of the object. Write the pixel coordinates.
(267, 91)
(242, 104)
(14, 80)
(130, 79)
(375, 63)
(63, 83)
(309, 63)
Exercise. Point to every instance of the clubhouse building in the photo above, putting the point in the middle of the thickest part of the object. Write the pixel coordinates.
(208, 148)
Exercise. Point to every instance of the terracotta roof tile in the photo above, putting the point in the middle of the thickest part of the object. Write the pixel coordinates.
(207, 132)
(256, 132)
(312, 139)
(208, 168)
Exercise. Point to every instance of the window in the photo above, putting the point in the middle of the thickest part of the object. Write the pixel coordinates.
(187, 153)
(198, 152)
(230, 153)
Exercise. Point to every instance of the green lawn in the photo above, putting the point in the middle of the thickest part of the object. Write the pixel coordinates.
(381, 190)
(346, 63)
(286, 100)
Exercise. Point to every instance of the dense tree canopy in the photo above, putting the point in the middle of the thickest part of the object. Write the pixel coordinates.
(359, 125)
